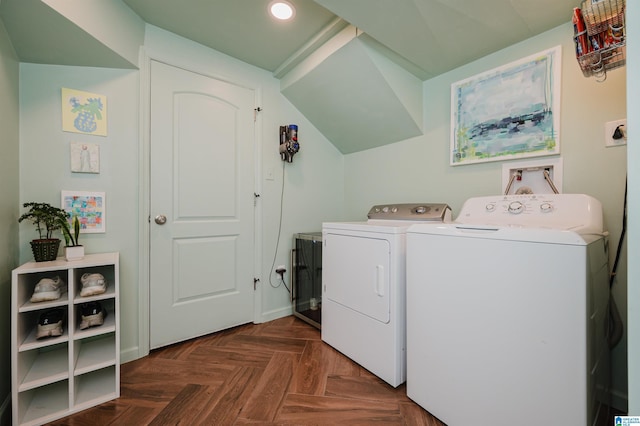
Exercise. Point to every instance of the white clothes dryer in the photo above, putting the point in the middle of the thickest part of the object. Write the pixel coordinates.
(507, 312)
(363, 275)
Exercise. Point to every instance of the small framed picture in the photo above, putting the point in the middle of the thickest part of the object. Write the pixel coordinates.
(84, 112)
(89, 207)
(85, 157)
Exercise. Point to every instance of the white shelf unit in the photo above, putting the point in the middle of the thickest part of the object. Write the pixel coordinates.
(57, 376)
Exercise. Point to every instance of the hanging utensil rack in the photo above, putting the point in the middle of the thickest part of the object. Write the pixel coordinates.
(600, 46)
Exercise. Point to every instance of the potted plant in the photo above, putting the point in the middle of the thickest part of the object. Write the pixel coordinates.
(47, 219)
(73, 250)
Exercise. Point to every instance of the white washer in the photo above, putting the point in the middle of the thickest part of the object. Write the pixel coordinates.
(507, 312)
(363, 275)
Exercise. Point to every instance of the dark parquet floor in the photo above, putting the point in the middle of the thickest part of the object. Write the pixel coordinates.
(276, 373)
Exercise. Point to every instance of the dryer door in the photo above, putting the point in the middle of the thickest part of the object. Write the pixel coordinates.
(356, 274)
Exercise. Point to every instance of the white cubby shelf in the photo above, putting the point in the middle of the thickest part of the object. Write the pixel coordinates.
(54, 377)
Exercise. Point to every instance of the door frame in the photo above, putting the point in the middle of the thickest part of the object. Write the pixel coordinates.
(144, 194)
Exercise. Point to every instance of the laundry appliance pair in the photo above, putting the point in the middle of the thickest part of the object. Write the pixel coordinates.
(499, 315)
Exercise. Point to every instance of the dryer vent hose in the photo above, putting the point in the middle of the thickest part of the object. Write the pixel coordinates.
(616, 326)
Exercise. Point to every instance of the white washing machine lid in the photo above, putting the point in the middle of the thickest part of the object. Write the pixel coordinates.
(578, 213)
(544, 218)
(507, 233)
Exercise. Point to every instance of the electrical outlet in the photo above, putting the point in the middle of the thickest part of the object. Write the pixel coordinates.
(613, 138)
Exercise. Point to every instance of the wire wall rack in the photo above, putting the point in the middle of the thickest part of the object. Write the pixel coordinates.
(599, 36)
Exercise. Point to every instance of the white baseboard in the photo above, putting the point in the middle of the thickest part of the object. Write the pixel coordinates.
(275, 314)
(130, 354)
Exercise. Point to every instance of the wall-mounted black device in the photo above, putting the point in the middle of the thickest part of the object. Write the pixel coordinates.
(289, 142)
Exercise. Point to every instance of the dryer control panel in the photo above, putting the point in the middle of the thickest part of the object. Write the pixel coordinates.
(552, 211)
(438, 212)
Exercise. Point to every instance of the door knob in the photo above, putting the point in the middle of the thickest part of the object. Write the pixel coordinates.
(161, 219)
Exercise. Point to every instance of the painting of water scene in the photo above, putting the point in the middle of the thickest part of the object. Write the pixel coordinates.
(509, 112)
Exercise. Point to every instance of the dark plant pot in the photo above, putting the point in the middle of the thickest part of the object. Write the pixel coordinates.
(45, 250)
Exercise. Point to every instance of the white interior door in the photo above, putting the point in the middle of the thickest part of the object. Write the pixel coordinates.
(202, 205)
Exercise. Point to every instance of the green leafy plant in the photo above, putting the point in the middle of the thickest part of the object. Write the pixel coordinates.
(71, 240)
(45, 217)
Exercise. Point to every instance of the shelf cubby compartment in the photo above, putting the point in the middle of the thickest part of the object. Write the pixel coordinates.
(27, 329)
(27, 283)
(108, 326)
(40, 405)
(94, 353)
(107, 271)
(96, 387)
(42, 366)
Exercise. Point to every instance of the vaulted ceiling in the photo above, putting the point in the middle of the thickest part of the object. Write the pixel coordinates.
(361, 92)
(434, 35)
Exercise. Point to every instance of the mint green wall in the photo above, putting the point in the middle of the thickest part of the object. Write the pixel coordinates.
(418, 169)
(45, 164)
(8, 204)
(313, 182)
(633, 108)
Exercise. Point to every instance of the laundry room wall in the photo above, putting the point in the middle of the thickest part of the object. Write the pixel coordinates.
(633, 105)
(45, 165)
(313, 183)
(418, 169)
(9, 147)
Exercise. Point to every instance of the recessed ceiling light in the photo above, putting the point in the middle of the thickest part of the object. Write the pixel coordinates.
(282, 10)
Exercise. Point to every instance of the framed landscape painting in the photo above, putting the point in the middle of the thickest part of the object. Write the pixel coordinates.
(509, 112)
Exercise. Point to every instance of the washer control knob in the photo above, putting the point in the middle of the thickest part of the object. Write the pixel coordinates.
(546, 207)
(394, 209)
(385, 209)
(421, 209)
(516, 207)
(377, 210)
(490, 207)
